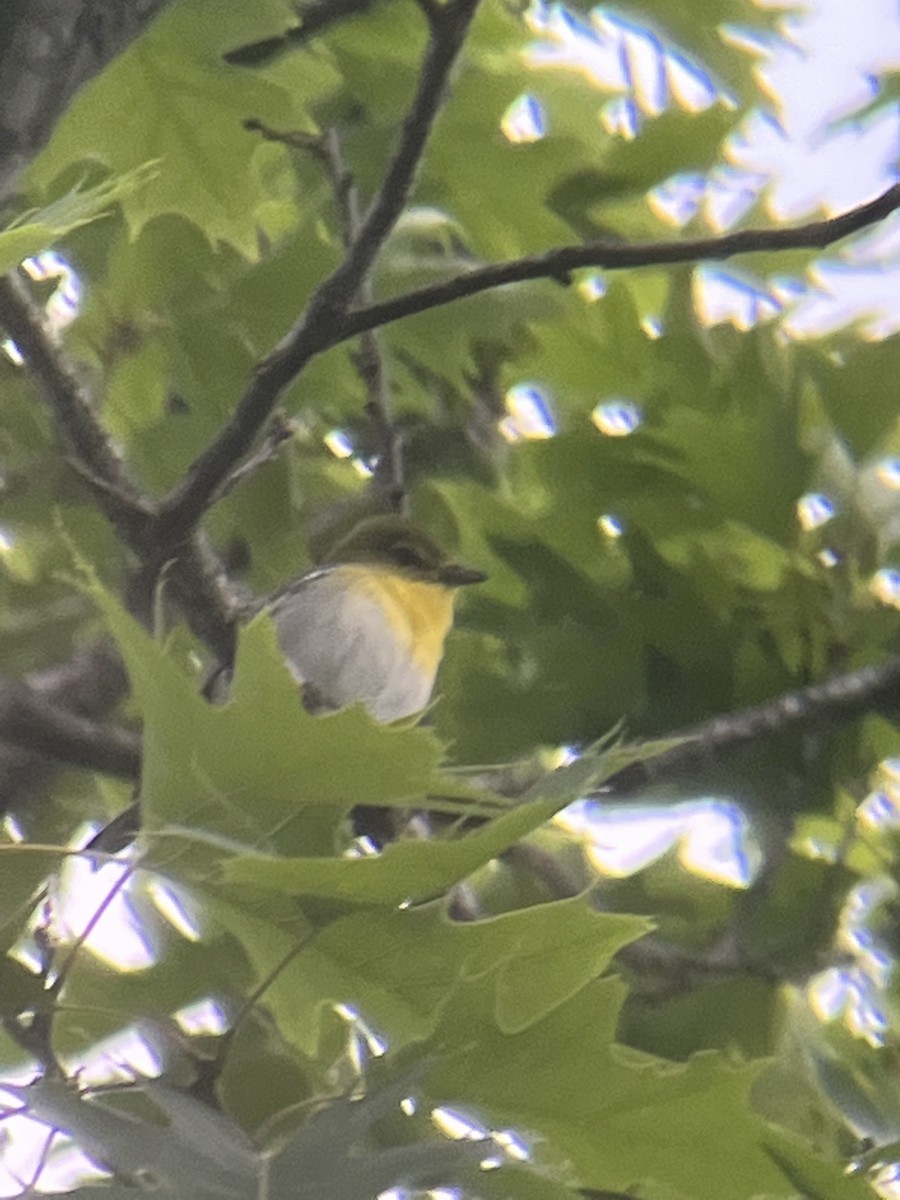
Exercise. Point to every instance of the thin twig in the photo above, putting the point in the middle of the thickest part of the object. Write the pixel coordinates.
(281, 430)
(65, 969)
(210, 1070)
(557, 264)
(186, 504)
(370, 359)
(316, 16)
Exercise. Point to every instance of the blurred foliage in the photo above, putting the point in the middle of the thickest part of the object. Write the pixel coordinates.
(654, 558)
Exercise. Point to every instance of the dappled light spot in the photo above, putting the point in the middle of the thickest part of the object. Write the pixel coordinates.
(617, 417)
(525, 120)
(888, 473)
(787, 290)
(855, 991)
(529, 413)
(614, 54)
(365, 1043)
(206, 1016)
(592, 287)
(712, 838)
(501, 1145)
(561, 756)
(457, 1125)
(690, 86)
(678, 198)
(652, 327)
(176, 907)
(95, 904)
(828, 558)
(362, 847)
(849, 995)
(62, 307)
(7, 541)
(364, 469)
(439, 1193)
(842, 293)
(813, 510)
(120, 1059)
(610, 526)
(722, 296)
(620, 118)
(12, 829)
(339, 443)
(25, 1143)
(884, 1180)
(880, 810)
(885, 586)
(730, 194)
(721, 197)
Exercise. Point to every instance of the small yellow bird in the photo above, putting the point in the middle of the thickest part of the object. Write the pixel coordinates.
(369, 625)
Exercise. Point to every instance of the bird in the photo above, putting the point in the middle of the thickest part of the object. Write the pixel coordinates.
(369, 625)
(366, 626)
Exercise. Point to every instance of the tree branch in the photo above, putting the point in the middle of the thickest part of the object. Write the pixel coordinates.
(834, 701)
(328, 323)
(327, 309)
(316, 17)
(370, 359)
(70, 400)
(39, 726)
(557, 264)
(90, 685)
(197, 579)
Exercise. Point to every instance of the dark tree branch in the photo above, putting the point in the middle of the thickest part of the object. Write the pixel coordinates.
(40, 727)
(837, 700)
(328, 322)
(89, 686)
(557, 264)
(370, 359)
(327, 309)
(197, 580)
(72, 404)
(316, 17)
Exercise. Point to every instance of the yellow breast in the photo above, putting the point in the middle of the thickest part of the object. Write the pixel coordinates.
(419, 614)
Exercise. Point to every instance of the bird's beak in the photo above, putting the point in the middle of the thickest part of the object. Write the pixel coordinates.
(456, 575)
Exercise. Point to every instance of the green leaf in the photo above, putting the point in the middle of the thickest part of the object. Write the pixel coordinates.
(621, 1120)
(187, 109)
(397, 967)
(417, 870)
(40, 228)
(23, 869)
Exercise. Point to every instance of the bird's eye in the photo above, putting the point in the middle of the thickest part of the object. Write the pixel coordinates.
(407, 556)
